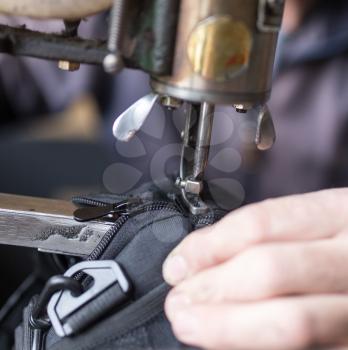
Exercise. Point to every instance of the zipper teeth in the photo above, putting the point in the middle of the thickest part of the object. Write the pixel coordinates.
(208, 219)
(88, 202)
(156, 206)
(103, 244)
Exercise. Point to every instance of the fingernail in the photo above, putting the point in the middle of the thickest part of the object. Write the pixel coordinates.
(174, 269)
(177, 301)
(185, 325)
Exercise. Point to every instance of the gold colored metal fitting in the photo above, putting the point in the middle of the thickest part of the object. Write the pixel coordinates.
(171, 102)
(219, 48)
(243, 108)
(68, 66)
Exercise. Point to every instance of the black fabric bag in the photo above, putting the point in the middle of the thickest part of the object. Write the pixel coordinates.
(139, 242)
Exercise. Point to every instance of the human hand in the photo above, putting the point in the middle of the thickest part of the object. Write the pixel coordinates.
(272, 275)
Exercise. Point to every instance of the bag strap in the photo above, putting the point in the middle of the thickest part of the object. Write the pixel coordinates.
(132, 317)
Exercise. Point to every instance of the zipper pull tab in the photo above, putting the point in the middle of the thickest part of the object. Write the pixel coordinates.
(109, 211)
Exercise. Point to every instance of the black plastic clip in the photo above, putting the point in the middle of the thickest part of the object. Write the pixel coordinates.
(70, 314)
(38, 318)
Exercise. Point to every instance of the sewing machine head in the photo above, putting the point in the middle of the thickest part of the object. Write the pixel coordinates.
(197, 52)
(223, 54)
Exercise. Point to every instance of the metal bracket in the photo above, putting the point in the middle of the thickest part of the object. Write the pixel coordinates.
(270, 15)
(48, 225)
(190, 181)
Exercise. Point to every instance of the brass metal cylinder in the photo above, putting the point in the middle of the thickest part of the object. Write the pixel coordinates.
(223, 55)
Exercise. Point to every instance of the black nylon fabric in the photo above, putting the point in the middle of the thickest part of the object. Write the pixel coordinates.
(142, 317)
(140, 246)
(157, 233)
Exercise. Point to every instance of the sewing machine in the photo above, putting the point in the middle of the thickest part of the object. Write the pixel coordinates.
(200, 53)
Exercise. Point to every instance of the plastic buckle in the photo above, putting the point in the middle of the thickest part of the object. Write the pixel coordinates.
(64, 305)
(54, 284)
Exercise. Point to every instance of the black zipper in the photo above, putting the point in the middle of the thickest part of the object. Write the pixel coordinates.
(122, 212)
(109, 235)
(210, 218)
(84, 201)
(151, 305)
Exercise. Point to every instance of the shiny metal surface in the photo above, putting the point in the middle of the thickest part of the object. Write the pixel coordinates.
(225, 29)
(47, 225)
(205, 127)
(219, 48)
(192, 166)
(113, 62)
(224, 54)
(265, 132)
(131, 121)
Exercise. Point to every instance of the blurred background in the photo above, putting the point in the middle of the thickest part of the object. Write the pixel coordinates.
(56, 139)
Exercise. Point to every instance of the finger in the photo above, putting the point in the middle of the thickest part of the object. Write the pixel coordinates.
(271, 270)
(301, 217)
(281, 324)
(332, 347)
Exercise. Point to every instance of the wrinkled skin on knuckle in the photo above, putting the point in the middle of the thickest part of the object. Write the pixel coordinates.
(259, 218)
(252, 222)
(297, 328)
(222, 337)
(261, 266)
(329, 202)
(288, 328)
(203, 288)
